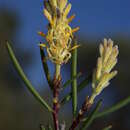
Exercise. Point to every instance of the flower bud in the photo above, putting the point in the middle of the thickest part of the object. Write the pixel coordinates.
(105, 63)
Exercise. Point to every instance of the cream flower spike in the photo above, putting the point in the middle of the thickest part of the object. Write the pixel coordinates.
(60, 34)
(105, 63)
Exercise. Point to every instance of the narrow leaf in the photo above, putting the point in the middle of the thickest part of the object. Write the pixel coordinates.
(45, 67)
(81, 86)
(90, 118)
(108, 127)
(24, 78)
(49, 127)
(74, 82)
(113, 108)
(71, 80)
(42, 127)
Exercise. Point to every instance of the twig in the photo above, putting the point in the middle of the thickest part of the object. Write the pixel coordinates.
(56, 90)
(91, 116)
(85, 107)
(56, 104)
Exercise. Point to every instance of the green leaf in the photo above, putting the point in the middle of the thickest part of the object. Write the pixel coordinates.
(81, 86)
(71, 80)
(42, 127)
(74, 82)
(113, 108)
(49, 127)
(90, 118)
(24, 78)
(45, 67)
(108, 127)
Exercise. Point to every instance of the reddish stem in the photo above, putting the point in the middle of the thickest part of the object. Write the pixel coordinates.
(56, 105)
(55, 119)
(85, 107)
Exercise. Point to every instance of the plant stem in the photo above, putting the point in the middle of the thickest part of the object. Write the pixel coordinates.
(56, 90)
(80, 87)
(85, 107)
(57, 71)
(91, 116)
(68, 82)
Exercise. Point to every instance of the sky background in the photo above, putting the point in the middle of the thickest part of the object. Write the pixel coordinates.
(96, 19)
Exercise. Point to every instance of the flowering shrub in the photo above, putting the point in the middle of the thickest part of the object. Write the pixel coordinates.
(61, 46)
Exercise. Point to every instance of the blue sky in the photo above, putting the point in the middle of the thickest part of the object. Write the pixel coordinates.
(96, 18)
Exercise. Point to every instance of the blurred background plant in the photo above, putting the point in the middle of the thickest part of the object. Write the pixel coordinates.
(19, 22)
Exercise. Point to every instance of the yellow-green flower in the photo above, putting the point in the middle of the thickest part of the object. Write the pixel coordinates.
(105, 63)
(60, 34)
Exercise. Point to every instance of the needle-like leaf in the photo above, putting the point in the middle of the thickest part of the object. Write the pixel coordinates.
(74, 82)
(71, 80)
(113, 108)
(81, 86)
(42, 127)
(49, 127)
(45, 67)
(108, 127)
(24, 78)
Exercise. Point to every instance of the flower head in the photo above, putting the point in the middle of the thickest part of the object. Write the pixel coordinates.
(105, 63)
(60, 34)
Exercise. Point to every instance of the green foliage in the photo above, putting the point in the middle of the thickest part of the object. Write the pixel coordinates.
(25, 80)
(107, 128)
(72, 95)
(74, 82)
(45, 67)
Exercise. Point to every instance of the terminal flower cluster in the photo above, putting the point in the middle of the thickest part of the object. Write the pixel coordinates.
(105, 63)
(60, 34)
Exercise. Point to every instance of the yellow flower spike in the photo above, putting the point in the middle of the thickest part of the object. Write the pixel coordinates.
(105, 43)
(99, 68)
(101, 49)
(48, 15)
(115, 52)
(48, 6)
(53, 3)
(71, 18)
(104, 81)
(107, 53)
(110, 64)
(105, 63)
(60, 34)
(62, 4)
(75, 29)
(67, 10)
(74, 47)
